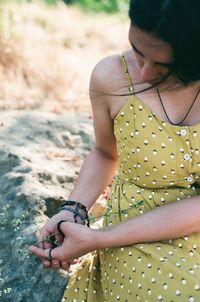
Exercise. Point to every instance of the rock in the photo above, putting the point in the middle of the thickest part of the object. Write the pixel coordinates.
(40, 157)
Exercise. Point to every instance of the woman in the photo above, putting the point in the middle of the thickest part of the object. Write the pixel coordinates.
(148, 249)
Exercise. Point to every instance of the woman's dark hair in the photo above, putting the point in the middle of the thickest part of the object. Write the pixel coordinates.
(176, 22)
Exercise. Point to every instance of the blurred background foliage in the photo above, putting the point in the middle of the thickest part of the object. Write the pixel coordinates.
(48, 49)
(108, 6)
(100, 5)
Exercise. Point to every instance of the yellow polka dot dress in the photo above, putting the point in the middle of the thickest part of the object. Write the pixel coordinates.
(159, 164)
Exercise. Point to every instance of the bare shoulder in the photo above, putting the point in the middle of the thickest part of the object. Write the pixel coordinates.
(102, 84)
(108, 83)
(107, 75)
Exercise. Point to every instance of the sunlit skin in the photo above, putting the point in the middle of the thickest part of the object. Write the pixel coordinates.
(154, 56)
(153, 59)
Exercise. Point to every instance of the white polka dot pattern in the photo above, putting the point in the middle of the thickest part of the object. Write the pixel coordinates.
(158, 164)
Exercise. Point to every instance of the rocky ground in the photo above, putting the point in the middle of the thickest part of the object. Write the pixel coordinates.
(41, 154)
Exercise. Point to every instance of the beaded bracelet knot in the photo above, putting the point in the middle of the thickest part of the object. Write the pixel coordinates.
(76, 208)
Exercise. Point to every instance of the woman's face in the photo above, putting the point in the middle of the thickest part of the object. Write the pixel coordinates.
(154, 56)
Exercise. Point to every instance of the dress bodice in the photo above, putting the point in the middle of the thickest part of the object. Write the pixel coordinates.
(154, 153)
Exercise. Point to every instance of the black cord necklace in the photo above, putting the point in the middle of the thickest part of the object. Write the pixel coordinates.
(176, 124)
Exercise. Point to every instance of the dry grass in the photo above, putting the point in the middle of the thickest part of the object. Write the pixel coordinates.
(47, 54)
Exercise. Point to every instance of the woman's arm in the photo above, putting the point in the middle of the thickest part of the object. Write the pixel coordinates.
(99, 166)
(166, 222)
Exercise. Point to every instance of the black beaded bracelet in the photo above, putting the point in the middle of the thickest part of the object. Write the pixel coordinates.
(78, 206)
(75, 203)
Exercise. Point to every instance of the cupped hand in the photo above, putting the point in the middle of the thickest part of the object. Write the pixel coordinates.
(48, 229)
(78, 241)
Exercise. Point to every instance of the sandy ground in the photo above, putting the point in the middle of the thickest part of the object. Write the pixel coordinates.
(47, 54)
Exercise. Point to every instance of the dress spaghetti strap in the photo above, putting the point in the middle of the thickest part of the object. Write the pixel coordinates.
(126, 71)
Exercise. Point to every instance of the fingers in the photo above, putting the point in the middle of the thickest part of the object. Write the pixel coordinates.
(59, 227)
(47, 254)
(48, 231)
(65, 265)
(73, 261)
(38, 251)
(43, 244)
(54, 263)
(56, 253)
(59, 237)
(47, 263)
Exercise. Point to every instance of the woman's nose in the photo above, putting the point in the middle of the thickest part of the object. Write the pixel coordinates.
(150, 72)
